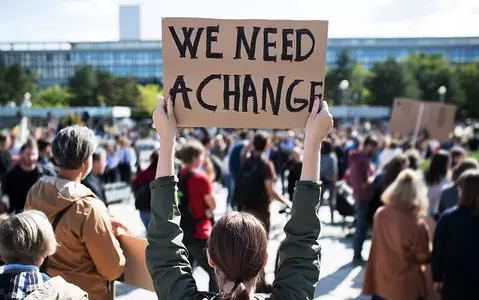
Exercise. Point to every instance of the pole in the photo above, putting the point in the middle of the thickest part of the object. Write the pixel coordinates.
(418, 124)
(343, 97)
(442, 97)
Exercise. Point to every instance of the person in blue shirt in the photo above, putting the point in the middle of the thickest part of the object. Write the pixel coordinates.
(234, 163)
(455, 260)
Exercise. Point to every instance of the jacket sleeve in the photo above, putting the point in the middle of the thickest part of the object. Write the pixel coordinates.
(166, 256)
(300, 252)
(439, 250)
(101, 243)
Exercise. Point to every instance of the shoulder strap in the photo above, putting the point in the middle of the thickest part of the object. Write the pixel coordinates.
(55, 222)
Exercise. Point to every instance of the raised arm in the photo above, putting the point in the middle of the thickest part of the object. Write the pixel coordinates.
(300, 252)
(166, 256)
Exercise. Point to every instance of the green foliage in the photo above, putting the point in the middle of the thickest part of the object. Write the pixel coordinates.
(468, 76)
(391, 79)
(83, 84)
(433, 71)
(149, 96)
(343, 69)
(54, 96)
(15, 81)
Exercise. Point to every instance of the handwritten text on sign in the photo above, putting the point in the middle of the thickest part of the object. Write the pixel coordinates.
(243, 73)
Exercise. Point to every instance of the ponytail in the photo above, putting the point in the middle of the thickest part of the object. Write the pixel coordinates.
(239, 292)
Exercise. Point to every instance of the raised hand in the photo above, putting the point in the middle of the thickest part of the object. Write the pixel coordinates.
(319, 124)
(165, 121)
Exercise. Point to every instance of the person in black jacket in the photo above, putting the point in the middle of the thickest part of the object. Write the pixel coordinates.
(22, 177)
(454, 257)
(94, 180)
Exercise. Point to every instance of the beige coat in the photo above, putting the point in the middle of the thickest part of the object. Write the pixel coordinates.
(89, 254)
(401, 244)
(57, 289)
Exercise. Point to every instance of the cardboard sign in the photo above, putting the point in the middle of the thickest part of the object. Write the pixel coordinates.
(436, 118)
(243, 73)
(136, 273)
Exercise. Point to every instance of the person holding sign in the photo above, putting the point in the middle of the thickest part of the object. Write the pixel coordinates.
(237, 248)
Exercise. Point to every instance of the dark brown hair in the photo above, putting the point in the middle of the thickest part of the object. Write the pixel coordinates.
(467, 164)
(392, 169)
(29, 144)
(238, 248)
(438, 168)
(190, 151)
(469, 196)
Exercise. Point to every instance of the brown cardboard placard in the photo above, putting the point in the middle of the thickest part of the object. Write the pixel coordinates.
(223, 77)
(436, 118)
(136, 273)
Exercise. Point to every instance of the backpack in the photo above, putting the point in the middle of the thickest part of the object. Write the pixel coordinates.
(187, 222)
(142, 195)
(249, 190)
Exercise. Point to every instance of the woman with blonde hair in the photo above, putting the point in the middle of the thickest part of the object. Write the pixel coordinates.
(26, 240)
(400, 242)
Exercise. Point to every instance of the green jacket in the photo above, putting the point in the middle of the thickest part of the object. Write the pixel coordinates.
(167, 257)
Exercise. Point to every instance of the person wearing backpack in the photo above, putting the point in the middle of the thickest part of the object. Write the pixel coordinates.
(238, 246)
(141, 189)
(196, 203)
(255, 187)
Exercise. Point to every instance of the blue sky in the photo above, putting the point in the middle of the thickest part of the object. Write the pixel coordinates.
(97, 20)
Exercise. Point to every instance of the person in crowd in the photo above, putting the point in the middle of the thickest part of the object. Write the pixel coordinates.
(212, 164)
(329, 174)
(436, 178)
(392, 148)
(45, 157)
(295, 168)
(414, 159)
(255, 187)
(473, 142)
(450, 194)
(458, 154)
(383, 180)
(22, 177)
(27, 239)
(90, 255)
(454, 256)
(5, 156)
(197, 203)
(400, 243)
(94, 180)
(234, 163)
(112, 173)
(141, 189)
(361, 178)
(128, 158)
(237, 248)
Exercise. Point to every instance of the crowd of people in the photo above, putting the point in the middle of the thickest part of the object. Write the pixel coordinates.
(417, 201)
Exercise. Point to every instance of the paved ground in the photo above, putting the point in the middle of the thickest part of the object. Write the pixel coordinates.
(339, 279)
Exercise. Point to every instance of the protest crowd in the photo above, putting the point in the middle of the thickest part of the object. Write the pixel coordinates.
(57, 236)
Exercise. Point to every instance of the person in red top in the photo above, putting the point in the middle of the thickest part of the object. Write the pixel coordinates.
(200, 206)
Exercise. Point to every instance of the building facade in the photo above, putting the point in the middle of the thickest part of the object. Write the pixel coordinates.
(54, 63)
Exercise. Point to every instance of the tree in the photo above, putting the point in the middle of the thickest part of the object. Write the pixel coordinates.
(84, 84)
(15, 81)
(126, 92)
(358, 92)
(433, 71)
(149, 96)
(468, 76)
(54, 96)
(343, 69)
(389, 80)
